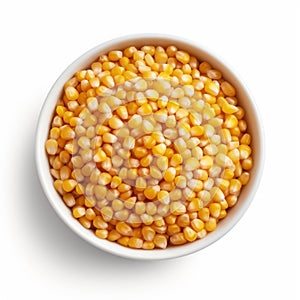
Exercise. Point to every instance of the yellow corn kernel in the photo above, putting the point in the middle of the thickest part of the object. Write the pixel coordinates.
(78, 212)
(104, 178)
(152, 94)
(247, 163)
(176, 160)
(244, 178)
(71, 93)
(197, 224)
(212, 88)
(197, 130)
(180, 181)
(183, 57)
(124, 229)
(246, 139)
(178, 239)
(203, 214)
(151, 192)
(115, 123)
(108, 81)
(235, 186)
(229, 108)
(195, 205)
(109, 138)
(189, 234)
(173, 228)
(113, 235)
(148, 233)
(135, 243)
(211, 224)
(215, 209)
(169, 174)
(101, 233)
(245, 151)
(228, 89)
(115, 55)
(51, 146)
(160, 241)
(69, 185)
(231, 121)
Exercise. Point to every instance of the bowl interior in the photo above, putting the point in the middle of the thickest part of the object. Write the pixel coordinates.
(245, 100)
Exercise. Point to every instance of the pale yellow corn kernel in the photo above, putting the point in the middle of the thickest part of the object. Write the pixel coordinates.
(135, 243)
(235, 186)
(211, 224)
(210, 149)
(121, 215)
(223, 160)
(135, 121)
(180, 145)
(175, 194)
(146, 219)
(203, 214)
(234, 155)
(231, 121)
(171, 121)
(180, 181)
(71, 93)
(152, 95)
(140, 183)
(163, 197)
(150, 192)
(192, 142)
(117, 204)
(177, 93)
(189, 234)
(192, 164)
(222, 183)
(130, 202)
(177, 208)
(104, 107)
(247, 164)
(140, 208)
(170, 133)
(228, 89)
(215, 209)
(195, 205)
(161, 115)
(216, 194)
(109, 138)
(78, 212)
(162, 163)
(147, 126)
(206, 162)
(51, 146)
(182, 57)
(197, 224)
(178, 239)
(101, 233)
(195, 185)
(195, 118)
(115, 123)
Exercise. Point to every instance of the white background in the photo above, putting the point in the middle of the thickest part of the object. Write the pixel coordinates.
(40, 258)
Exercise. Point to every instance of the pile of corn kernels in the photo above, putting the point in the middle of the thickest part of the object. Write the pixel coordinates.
(149, 147)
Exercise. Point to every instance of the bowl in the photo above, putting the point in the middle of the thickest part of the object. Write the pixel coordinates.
(252, 117)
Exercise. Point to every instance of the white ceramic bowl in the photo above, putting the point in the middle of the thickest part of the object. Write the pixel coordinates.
(246, 101)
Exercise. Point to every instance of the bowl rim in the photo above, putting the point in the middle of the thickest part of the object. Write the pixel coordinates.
(73, 224)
